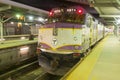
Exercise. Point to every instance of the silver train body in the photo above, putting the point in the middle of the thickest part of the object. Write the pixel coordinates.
(62, 42)
(16, 55)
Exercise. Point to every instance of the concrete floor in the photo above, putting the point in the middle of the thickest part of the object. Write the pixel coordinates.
(14, 43)
(103, 63)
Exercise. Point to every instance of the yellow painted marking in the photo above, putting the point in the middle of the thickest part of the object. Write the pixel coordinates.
(83, 69)
(60, 46)
(13, 43)
(60, 28)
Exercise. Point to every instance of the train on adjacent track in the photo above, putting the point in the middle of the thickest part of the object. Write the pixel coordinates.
(68, 34)
(14, 53)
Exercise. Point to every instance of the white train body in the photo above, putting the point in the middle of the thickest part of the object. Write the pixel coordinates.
(69, 39)
(63, 40)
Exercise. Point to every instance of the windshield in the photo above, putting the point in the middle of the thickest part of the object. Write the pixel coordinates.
(71, 17)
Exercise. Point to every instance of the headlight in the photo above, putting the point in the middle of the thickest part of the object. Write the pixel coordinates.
(76, 47)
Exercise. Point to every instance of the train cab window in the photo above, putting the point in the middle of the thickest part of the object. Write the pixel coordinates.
(67, 17)
(80, 18)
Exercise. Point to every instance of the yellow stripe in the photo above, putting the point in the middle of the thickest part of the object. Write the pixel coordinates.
(60, 46)
(83, 69)
(59, 28)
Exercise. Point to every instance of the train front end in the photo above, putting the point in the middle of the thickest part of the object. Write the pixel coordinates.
(60, 43)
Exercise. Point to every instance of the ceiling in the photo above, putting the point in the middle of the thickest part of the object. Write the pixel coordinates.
(9, 8)
(107, 11)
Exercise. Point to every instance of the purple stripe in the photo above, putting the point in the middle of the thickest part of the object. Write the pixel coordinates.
(63, 25)
(49, 25)
(69, 47)
(43, 45)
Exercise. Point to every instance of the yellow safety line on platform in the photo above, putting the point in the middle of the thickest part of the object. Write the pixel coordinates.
(14, 43)
(82, 70)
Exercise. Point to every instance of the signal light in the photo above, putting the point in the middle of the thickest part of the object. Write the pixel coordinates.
(80, 11)
(51, 14)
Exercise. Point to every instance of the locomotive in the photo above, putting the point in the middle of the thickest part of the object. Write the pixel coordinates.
(68, 34)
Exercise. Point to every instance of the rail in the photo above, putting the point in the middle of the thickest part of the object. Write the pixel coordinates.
(11, 74)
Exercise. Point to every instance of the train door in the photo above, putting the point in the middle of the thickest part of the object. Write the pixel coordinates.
(86, 33)
(95, 31)
(88, 25)
(91, 31)
(85, 37)
(118, 32)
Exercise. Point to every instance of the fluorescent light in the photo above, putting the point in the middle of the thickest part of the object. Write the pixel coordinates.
(30, 17)
(24, 48)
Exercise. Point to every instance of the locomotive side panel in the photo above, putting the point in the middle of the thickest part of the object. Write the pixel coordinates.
(85, 38)
(100, 31)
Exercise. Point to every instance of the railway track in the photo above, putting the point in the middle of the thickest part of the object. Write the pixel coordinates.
(10, 75)
(28, 71)
(47, 76)
(31, 71)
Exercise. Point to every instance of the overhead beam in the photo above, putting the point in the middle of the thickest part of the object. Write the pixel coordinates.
(118, 1)
(110, 21)
(79, 1)
(104, 4)
(5, 8)
(103, 1)
(9, 2)
(109, 15)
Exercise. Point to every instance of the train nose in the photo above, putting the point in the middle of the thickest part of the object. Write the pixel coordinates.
(44, 62)
(49, 65)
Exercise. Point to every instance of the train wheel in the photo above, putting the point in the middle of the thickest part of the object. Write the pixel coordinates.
(85, 54)
(82, 55)
(89, 50)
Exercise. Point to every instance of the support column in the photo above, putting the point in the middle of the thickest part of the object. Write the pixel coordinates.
(1, 30)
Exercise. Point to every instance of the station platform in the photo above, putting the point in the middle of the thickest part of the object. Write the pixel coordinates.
(14, 43)
(103, 63)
